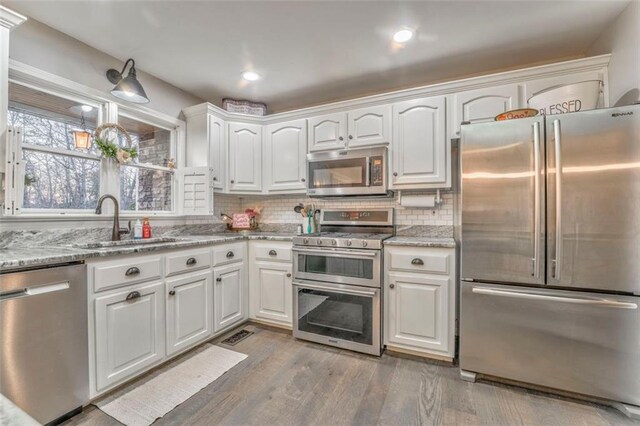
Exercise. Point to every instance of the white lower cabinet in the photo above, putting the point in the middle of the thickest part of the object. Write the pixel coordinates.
(270, 287)
(129, 332)
(419, 307)
(229, 296)
(189, 310)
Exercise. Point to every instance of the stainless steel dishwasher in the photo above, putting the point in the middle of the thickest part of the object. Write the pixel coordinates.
(44, 340)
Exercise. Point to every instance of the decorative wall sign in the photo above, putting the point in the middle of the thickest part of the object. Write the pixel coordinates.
(241, 221)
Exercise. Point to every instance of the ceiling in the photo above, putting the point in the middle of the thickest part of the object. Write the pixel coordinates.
(312, 52)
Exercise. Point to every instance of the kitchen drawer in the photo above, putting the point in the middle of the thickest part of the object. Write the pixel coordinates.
(425, 260)
(275, 251)
(186, 261)
(228, 253)
(126, 271)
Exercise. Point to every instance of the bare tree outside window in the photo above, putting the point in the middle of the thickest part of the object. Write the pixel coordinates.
(53, 180)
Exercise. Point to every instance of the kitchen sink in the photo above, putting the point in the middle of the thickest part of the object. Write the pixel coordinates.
(126, 243)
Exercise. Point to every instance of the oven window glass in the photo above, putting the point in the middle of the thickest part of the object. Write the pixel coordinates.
(338, 173)
(336, 266)
(333, 314)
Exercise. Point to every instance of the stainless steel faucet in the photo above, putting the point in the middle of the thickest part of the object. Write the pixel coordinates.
(117, 231)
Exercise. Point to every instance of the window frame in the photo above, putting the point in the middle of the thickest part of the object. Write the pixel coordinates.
(108, 110)
(137, 115)
(71, 96)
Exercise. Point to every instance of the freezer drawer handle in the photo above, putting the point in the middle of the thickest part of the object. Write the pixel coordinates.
(417, 261)
(521, 295)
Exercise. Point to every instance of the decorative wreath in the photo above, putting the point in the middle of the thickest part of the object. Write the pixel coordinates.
(111, 149)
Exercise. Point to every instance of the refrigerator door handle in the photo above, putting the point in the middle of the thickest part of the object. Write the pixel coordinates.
(536, 199)
(558, 208)
(574, 300)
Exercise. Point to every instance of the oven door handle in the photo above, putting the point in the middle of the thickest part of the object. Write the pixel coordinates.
(337, 290)
(330, 252)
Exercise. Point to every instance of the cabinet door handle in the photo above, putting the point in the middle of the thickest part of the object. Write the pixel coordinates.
(417, 261)
(215, 178)
(273, 253)
(132, 271)
(232, 181)
(219, 279)
(191, 261)
(303, 180)
(341, 138)
(350, 137)
(172, 293)
(395, 173)
(392, 285)
(133, 295)
(289, 275)
(230, 255)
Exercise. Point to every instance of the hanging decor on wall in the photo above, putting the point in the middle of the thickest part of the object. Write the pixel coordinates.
(112, 149)
(127, 88)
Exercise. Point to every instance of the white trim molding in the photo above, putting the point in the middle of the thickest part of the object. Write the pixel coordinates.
(10, 19)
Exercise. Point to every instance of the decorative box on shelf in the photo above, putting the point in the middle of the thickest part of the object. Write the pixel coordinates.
(244, 107)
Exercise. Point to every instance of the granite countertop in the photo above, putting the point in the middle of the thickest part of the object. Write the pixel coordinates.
(22, 256)
(411, 241)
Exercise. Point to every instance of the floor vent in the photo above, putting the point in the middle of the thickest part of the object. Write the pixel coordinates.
(237, 337)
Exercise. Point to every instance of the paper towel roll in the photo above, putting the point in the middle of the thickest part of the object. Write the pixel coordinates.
(419, 201)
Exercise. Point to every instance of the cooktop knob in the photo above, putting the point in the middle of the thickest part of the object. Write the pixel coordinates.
(364, 244)
(334, 242)
(306, 241)
(349, 243)
(319, 242)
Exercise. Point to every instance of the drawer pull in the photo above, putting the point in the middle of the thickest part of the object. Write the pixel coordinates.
(230, 255)
(172, 293)
(132, 271)
(417, 261)
(273, 253)
(219, 279)
(191, 261)
(133, 295)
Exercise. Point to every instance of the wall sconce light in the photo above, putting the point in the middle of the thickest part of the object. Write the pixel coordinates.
(127, 88)
(82, 138)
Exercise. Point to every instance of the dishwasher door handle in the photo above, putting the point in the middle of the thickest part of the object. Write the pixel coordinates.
(34, 291)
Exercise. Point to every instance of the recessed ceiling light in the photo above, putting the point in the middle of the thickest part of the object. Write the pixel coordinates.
(403, 36)
(250, 76)
(86, 108)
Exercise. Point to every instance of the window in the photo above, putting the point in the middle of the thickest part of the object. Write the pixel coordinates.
(57, 176)
(146, 184)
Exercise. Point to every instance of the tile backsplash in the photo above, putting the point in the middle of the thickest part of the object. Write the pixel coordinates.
(279, 209)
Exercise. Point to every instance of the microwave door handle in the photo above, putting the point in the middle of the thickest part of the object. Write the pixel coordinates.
(367, 172)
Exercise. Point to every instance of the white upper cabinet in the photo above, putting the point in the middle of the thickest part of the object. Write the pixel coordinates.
(245, 157)
(419, 154)
(328, 132)
(218, 152)
(483, 105)
(369, 126)
(285, 154)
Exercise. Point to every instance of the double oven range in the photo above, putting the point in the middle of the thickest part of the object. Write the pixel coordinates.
(338, 274)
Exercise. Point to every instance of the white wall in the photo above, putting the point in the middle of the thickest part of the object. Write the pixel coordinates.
(40, 46)
(622, 39)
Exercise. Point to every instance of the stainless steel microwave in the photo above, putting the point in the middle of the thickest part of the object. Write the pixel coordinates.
(349, 172)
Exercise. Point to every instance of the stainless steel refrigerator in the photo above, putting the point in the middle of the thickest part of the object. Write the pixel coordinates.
(550, 252)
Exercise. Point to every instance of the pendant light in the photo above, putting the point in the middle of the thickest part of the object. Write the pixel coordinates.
(82, 138)
(127, 88)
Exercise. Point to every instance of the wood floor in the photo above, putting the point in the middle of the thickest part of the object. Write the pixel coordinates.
(290, 382)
